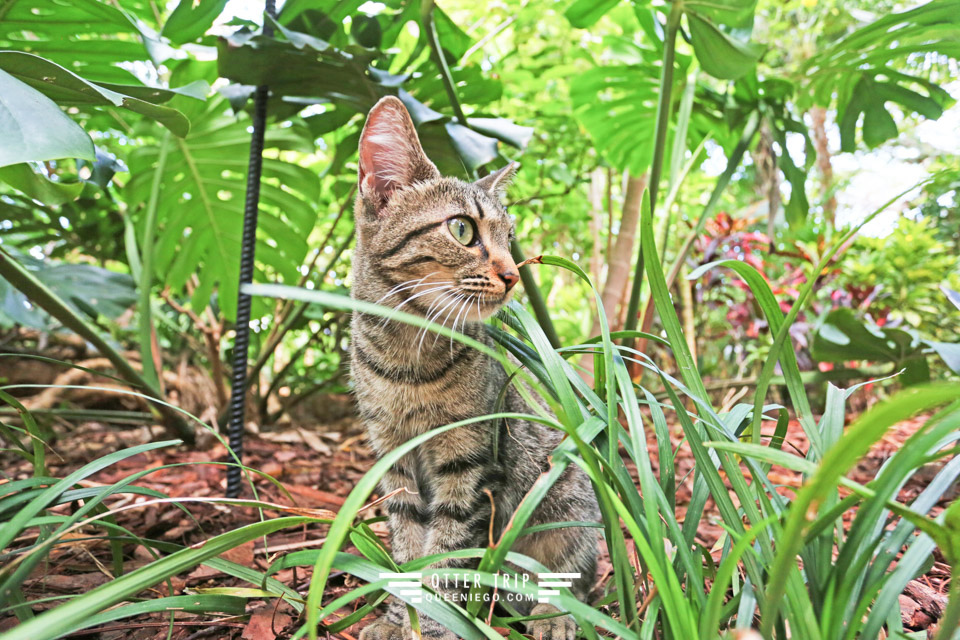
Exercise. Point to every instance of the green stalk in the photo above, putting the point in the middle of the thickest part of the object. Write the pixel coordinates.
(660, 142)
(146, 271)
(535, 296)
(753, 123)
(732, 163)
(676, 156)
(426, 17)
(529, 282)
(950, 621)
(40, 295)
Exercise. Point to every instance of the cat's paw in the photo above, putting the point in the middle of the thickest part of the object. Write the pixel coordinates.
(383, 629)
(558, 628)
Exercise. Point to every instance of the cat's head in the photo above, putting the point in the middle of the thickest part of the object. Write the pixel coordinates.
(437, 246)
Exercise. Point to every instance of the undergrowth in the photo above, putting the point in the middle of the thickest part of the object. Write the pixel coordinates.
(789, 566)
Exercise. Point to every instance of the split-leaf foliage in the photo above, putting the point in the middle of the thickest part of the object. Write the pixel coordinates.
(80, 80)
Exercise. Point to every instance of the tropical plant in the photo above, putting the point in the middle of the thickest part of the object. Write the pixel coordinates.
(114, 134)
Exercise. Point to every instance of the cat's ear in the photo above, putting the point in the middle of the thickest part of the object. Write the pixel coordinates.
(497, 182)
(390, 153)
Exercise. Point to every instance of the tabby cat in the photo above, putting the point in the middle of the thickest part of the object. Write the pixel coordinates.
(440, 248)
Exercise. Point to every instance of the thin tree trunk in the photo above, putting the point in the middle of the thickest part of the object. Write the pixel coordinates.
(596, 224)
(609, 213)
(620, 260)
(819, 117)
(768, 177)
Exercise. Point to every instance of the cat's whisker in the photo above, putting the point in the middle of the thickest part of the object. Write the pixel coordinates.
(462, 303)
(440, 287)
(453, 302)
(463, 307)
(447, 317)
(432, 319)
(422, 332)
(402, 286)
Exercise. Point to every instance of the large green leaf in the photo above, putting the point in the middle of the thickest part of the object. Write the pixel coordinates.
(584, 13)
(869, 71)
(617, 105)
(723, 53)
(200, 210)
(32, 183)
(302, 68)
(719, 30)
(33, 128)
(67, 88)
(191, 19)
(89, 37)
(90, 290)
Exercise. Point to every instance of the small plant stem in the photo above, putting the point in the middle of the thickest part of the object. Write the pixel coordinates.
(280, 375)
(732, 163)
(291, 321)
(535, 297)
(426, 18)
(950, 622)
(40, 295)
(150, 367)
(529, 282)
(660, 142)
(284, 309)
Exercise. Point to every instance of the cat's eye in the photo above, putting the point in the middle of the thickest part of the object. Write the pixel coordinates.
(462, 230)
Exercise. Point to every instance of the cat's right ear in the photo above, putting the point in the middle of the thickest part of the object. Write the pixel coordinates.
(390, 154)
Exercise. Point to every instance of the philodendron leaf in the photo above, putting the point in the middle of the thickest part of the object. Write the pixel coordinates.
(863, 72)
(67, 88)
(720, 31)
(503, 130)
(191, 19)
(721, 54)
(22, 178)
(585, 13)
(34, 129)
(843, 336)
(870, 98)
(476, 150)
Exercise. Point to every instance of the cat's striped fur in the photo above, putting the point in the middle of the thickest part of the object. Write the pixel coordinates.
(408, 382)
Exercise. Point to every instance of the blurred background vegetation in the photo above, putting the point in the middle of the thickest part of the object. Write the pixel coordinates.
(133, 223)
(750, 134)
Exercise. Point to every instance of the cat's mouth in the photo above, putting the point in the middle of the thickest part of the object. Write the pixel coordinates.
(480, 304)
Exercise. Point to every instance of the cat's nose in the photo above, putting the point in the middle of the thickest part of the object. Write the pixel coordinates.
(509, 278)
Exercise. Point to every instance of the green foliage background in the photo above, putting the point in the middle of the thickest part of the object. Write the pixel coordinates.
(124, 133)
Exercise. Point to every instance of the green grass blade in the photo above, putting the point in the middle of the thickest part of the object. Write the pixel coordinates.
(55, 622)
(869, 428)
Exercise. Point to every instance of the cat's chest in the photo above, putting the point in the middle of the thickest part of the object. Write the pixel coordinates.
(395, 412)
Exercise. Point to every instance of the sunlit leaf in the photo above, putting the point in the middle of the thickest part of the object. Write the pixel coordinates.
(33, 128)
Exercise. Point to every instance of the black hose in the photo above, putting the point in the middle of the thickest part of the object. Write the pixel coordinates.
(238, 378)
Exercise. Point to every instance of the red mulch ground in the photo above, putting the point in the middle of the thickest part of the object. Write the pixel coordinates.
(319, 465)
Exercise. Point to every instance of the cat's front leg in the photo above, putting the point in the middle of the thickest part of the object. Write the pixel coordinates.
(409, 516)
(463, 479)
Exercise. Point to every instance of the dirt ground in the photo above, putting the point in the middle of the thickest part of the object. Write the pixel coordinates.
(319, 461)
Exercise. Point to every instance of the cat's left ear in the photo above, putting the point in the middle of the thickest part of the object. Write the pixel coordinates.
(497, 182)
(390, 155)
